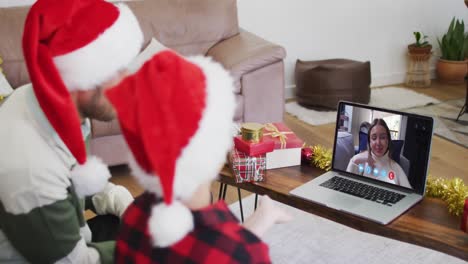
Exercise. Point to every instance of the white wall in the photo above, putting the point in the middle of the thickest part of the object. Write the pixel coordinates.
(374, 30)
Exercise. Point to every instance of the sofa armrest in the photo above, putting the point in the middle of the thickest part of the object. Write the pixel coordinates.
(244, 53)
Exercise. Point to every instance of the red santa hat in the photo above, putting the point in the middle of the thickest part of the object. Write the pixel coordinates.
(77, 45)
(176, 116)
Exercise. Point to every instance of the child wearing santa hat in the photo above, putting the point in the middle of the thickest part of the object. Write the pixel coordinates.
(73, 50)
(176, 116)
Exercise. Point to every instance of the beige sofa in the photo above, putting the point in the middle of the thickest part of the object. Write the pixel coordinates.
(208, 27)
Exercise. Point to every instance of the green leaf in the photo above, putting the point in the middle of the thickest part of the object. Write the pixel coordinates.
(417, 35)
(452, 45)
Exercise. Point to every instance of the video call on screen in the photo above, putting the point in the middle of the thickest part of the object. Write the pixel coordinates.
(363, 146)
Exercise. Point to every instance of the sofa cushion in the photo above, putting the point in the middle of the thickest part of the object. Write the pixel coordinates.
(100, 128)
(239, 112)
(147, 53)
(11, 28)
(245, 53)
(189, 27)
(113, 150)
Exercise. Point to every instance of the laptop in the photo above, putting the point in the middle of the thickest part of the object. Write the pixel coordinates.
(379, 166)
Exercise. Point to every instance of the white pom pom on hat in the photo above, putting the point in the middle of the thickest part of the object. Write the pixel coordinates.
(90, 178)
(176, 116)
(168, 224)
(76, 45)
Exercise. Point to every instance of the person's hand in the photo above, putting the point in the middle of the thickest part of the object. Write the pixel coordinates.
(114, 199)
(363, 159)
(266, 215)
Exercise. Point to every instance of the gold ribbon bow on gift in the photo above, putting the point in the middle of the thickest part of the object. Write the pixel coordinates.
(274, 132)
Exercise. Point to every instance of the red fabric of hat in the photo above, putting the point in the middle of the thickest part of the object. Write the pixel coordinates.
(65, 48)
(159, 109)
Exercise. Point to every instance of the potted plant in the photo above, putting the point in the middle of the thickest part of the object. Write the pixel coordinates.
(452, 66)
(421, 46)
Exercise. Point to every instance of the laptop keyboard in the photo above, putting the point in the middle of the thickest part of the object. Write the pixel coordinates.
(363, 190)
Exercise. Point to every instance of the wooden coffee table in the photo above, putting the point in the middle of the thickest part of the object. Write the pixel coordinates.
(427, 224)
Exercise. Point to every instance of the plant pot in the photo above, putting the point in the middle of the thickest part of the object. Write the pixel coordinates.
(452, 72)
(413, 49)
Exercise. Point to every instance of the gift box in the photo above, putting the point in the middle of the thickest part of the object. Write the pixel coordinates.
(287, 149)
(247, 168)
(464, 222)
(254, 148)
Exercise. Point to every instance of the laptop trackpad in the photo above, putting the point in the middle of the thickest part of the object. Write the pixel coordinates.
(343, 202)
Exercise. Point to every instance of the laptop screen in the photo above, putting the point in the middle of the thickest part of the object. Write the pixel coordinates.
(383, 145)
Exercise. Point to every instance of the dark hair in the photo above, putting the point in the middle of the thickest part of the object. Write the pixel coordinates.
(364, 127)
(380, 121)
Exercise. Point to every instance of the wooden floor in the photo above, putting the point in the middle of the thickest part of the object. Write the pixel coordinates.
(447, 159)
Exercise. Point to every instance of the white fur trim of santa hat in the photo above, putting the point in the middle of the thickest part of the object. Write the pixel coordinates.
(101, 60)
(206, 151)
(168, 224)
(91, 177)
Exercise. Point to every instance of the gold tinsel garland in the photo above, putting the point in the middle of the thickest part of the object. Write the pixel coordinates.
(321, 157)
(452, 191)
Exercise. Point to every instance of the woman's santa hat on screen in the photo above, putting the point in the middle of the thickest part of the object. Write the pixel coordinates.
(77, 45)
(176, 116)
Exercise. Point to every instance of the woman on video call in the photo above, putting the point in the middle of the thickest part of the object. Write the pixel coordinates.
(376, 162)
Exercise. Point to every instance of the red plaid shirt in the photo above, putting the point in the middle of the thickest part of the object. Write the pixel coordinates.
(217, 238)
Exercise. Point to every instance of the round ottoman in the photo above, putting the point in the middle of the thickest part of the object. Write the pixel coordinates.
(322, 84)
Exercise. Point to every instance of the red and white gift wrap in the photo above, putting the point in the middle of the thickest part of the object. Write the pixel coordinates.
(247, 168)
(464, 222)
(282, 136)
(288, 146)
(254, 148)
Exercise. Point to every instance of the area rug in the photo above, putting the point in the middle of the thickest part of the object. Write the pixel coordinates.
(312, 239)
(445, 114)
(389, 97)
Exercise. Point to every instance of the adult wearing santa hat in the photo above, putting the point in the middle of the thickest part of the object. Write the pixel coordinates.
(73, 50)
(176, 116)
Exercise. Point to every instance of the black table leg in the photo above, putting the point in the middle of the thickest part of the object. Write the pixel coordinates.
(220, 194)
(224, 191)
(465, 107)
(240, 205)
(463, 110)
(255, 205)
